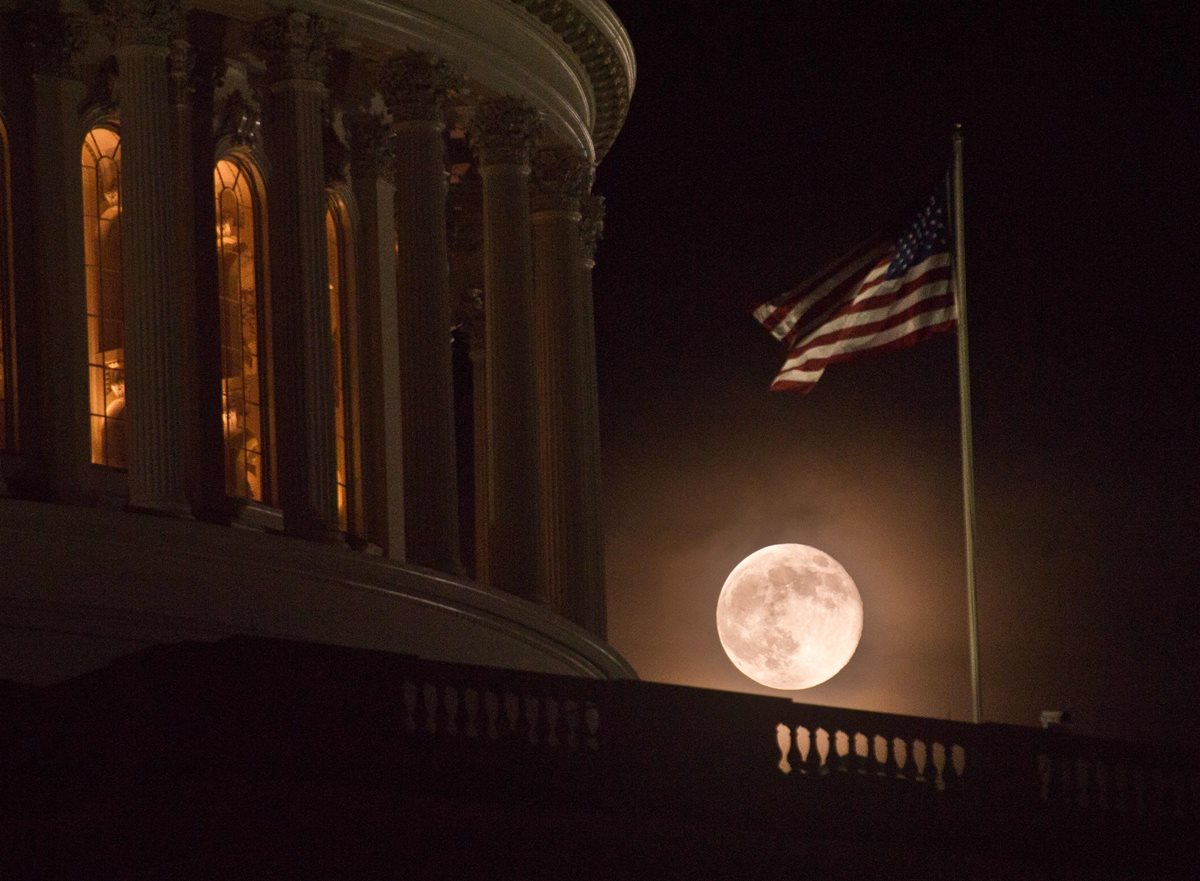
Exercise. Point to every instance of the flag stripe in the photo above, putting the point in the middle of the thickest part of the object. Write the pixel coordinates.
(876, 298)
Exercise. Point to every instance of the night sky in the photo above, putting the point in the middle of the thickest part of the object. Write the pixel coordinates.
(764, 139)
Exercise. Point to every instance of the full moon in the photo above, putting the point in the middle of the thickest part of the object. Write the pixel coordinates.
(789, 616)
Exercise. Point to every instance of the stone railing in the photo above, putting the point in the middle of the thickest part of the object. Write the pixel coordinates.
(923, 752)
(1024, 771)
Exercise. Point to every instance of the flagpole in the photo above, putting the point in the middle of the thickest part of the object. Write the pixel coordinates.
(964, 411)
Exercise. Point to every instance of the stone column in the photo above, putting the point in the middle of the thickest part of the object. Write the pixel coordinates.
(379, 353)
(62, 439)
(464, 230)
(294, 46)
(415, 85)
(560, 179)
(593, 611)
(154, 305)
(206, 440)
(502, 133)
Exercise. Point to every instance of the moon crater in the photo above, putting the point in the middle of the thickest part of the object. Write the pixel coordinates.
(789, 616)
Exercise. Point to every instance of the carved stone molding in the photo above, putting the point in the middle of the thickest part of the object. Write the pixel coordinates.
(53, 37)
(503, 130)
(139, 22)
(601, 59)
(560, 179)
(295, 45)
(464, 217)
(591, 226)
(415, 86)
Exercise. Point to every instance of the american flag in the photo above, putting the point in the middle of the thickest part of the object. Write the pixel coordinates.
(885, 294)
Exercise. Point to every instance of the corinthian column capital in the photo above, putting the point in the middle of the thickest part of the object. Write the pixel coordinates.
(560, 179)
(371, 153)
(53, 37)
(295, 45)
(415, 86)
(503, 131)
(140, 22)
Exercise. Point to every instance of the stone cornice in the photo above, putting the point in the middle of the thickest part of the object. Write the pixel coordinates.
(604, 50)
(294, 45)
(503, 130)
(415, 86)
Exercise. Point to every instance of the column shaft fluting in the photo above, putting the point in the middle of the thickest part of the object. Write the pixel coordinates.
(61, 435)
(379, 380)
(153, 304)
(426, 366)
(564, 417)
(593, 610)
(294, 44)
(415, 85)
(503, 131)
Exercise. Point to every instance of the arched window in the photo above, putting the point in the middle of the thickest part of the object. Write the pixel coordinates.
(244, 383)
(101, 158)
(6, 304)
(341, 312)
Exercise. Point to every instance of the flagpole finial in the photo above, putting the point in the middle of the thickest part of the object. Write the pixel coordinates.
(958, 135)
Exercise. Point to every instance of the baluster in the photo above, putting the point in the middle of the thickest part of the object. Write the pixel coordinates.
(430, 704)
(471, 701)
(784, 740)
(552, 720)
(512, 715)
(841, 751)
(410, 705)
(491, 707)
(806, 749)
(591, 720)
(922, 761)
(531, 715)
(859, 752)
(824, 747)
(901, 759)
(949, 771)
(937, 763)
(572, 718)
(881, 747)
(450, 702)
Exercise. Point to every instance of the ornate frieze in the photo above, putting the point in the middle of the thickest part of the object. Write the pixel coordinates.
(503, 130)
(611, 81)
(294, 45)
(139, 22)
(560, 179)
(415, 85)
(591, 226)
(53, 37)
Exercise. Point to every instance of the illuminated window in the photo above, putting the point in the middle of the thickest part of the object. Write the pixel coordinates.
(243, 361)
(341, 317)
(101, 159)
(6, 304)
